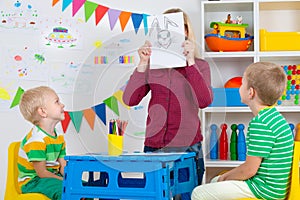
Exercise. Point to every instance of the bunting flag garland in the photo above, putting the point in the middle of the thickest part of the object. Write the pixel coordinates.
(17, 97)
(100, 112)
(89, 9)
(100, 11)
(113, 16)
(77, 4)
(90, 115)
(124, 18)
(119, 95)
(54, 2)
(65, 4)
(136, 20)
(112, 103)
(76, 117)
(65, 122)
(145, 23)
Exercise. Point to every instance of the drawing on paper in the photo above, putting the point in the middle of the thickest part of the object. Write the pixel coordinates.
(163, 36)
(166, 35)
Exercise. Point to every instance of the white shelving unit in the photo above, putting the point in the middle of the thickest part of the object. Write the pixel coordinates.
(272, 15)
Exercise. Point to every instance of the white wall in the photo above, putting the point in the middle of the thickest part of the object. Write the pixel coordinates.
(13, 127)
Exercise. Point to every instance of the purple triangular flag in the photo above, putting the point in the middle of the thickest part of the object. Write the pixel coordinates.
(113, 16)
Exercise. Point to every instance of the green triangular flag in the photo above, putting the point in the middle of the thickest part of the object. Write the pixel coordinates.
(17, 97)
(112, 103)
(89, 8)
(76, 118)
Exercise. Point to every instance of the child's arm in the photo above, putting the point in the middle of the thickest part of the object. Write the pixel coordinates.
(42, 172)
(244, 171)
(62, 163)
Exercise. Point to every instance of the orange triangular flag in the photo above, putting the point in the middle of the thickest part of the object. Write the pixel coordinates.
(124, 17)
(89, 115)
(54, 2)
(100, 12)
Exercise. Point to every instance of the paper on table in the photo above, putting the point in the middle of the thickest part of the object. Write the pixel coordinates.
(166, 36)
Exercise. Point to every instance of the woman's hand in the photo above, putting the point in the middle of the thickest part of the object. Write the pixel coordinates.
(189, 51)
(144, 53)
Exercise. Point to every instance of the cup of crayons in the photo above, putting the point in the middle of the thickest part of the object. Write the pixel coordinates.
(116, 132)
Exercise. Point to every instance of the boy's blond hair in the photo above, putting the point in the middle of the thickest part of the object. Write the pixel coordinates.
(187, 26)
(31, 101)
(268, 80)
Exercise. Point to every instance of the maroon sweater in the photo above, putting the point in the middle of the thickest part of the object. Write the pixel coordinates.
(176, 96)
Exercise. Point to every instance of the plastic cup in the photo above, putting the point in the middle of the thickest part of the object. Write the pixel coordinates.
(115, 145)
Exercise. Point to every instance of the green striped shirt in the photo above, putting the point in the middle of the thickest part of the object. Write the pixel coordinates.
(270, 137)
(37, 145)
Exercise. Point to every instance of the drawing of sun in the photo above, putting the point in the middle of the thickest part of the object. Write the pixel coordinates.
(5, 92)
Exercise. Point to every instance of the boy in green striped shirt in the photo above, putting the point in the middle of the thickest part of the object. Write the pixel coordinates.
(266, 171)
(41, 156)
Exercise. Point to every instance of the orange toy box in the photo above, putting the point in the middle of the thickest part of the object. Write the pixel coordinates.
(279, 41)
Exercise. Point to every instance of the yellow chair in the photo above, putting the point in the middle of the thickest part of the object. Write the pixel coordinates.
(294, 193)
(13, 191)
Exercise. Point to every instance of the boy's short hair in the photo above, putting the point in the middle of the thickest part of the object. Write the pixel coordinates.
(31, 101)
(268, 79)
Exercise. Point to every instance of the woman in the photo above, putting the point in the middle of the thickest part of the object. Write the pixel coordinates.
(173, 122)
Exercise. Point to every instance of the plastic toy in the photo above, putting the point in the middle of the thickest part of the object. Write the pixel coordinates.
(292, 126)
(279, 41)
(229, 36)
(213, 142)
(292, 92)
(234, 82)
(223, 143)
(241, 143)
(297, 135)
(233, 142)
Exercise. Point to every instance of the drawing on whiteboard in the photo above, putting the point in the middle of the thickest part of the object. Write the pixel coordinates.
(18, 15)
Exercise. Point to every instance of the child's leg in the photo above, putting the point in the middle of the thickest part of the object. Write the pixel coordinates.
(225, 190)
(50, 187)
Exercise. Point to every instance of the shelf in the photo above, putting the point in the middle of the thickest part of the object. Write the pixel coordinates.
(237, 54)
(226, 109)
(247, 109)
(223, 163)
(272, 15)
(280, 56)
(279, 5)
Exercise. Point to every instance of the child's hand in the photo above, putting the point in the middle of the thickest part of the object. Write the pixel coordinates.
(221, 178)
(189, 51)
(144, 53)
